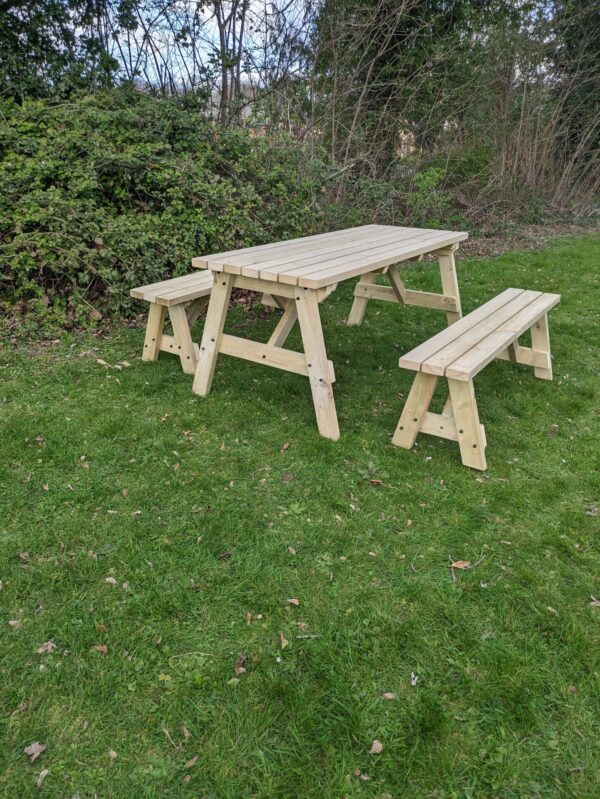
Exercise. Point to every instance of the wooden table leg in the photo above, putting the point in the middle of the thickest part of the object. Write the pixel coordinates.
(285, 325)
(183, 338)
(213, 330)
(450, 280)
(359, 305)
(319, 373)
(540, 342)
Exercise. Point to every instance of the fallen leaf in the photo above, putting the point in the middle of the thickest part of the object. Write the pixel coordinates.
(34, 750)
(248, 618)
(552, 610)
(293, 601)
(24, 556)
(376, 482)
(185, 731)
(15, 623)
(460, 564)
(376, 748)
(283, 641)
(388, 695)
(192, 761)
(112, 755)
(592, 510)
(110, 580)
(239, 665)
(102, 648)
(46, 487)
(48, 646)
(285, 447)
(291, 550)
(41, 777)
(595, 603)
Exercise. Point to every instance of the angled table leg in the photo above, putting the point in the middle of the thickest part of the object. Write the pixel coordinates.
(319, 373)
(414, 410)
(211, 335)
(285, 325)
(450, 281)
(359, 305)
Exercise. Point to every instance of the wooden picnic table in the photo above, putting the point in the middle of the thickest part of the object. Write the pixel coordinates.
(296, 275)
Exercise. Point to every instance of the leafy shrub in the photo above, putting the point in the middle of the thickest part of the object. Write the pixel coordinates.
(120, 189)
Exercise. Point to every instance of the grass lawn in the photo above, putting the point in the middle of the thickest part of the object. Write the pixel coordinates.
(156, 538)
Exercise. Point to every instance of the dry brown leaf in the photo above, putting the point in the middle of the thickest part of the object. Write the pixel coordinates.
(239, 664)
(41, 777)
(192, 761)
(283, 641)
(285, 447)
(376, 482)
(48, 646)
(291, 550)
(460, 564)
(376, 748)
(103, 363)
(110, 580)
(388, 695)
(15, 623)
(102, 648)
(112, 755)
(34, 750)
(248, 618)
(185, 731)
(293, 601)
(595, 603)
(24, 556)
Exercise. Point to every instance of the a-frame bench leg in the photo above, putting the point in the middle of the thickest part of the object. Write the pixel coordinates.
(183, 338)
(540, 342)
(211, 335)
(471, 436)
(414, 410)
(154, 332)
(319, 372)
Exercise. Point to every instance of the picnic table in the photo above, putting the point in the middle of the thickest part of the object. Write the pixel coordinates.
(298, 274)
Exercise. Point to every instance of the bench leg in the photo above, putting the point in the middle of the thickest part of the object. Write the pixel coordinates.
(540, 342)
(414, 410)
(211, 335)
(319, 372)
(471, 436)
(450, 281)
(154, 331)
(194, 310)
(359, 305)
(183, 338)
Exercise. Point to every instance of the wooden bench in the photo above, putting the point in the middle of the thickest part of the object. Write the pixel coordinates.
(459, 353)
(184, 298)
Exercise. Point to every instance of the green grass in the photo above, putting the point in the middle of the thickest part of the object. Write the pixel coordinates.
(192, 504)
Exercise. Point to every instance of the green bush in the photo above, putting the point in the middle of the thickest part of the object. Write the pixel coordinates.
(119, 189)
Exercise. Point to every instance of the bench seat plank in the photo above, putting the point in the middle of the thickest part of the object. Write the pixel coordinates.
(414, 358)
(439, 362)
(176, 290)
(473, 361)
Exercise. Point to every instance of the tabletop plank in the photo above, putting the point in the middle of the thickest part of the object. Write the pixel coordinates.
(318, 261)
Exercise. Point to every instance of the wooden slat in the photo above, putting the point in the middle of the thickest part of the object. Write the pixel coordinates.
(266, 250)
(361, 264)
(176, 290)
(414, 358)
(313, 255)
(438, 363)
(473, 361)
(268, 355)
(375, 252)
